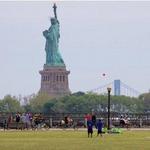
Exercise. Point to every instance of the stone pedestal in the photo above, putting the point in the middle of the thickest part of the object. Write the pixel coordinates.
(54, 81)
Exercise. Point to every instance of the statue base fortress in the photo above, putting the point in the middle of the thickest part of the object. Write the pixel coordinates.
(54, 81)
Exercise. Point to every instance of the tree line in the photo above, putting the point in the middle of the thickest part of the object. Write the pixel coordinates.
(77, 103)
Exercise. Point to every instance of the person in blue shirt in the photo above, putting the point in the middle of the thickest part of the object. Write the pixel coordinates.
(99, 127)
(90, 128)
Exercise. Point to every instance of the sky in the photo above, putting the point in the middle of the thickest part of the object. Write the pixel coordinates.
(95, 38)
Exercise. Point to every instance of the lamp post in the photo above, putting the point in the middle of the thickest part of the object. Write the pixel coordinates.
(109, 90)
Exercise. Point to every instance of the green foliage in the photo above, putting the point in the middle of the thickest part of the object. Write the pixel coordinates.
(126, 104)
(48, 107)
(78, 103)
(37, 102)
(10, 104)
(84, 103)
(145, 98)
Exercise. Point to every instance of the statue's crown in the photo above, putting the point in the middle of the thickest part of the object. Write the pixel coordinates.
(53, 20)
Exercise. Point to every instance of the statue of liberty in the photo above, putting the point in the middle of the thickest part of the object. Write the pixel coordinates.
(53, 57)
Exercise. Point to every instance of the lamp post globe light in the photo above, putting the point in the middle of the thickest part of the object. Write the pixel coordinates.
(109, 90)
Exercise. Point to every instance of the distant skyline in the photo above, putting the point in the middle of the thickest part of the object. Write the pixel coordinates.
(96, 38)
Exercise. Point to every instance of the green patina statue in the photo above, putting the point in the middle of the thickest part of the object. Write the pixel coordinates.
(53, 57)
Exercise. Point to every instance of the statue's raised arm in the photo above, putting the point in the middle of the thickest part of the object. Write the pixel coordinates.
(55, 7)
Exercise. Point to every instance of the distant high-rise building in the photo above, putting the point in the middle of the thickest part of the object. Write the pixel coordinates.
(117, 87)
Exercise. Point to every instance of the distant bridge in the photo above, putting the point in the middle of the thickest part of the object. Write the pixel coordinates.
(118, 88)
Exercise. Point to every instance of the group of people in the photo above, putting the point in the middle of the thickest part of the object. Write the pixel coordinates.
(124, 121)
(90, 122)
(23, 121)
(67, 122)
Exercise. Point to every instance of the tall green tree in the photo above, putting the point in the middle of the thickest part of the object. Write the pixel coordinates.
(36, 103)
(145, 98)
(10, 104)
(84, 103)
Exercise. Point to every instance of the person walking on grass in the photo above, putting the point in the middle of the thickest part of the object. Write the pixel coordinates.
(99, 127)
(9, 120)
(17, 120)
(90, 128)
(94, 119)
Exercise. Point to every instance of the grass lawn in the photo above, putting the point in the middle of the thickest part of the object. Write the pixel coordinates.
(73, 140)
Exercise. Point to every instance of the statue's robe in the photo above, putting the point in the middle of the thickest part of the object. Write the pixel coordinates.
(52, 36)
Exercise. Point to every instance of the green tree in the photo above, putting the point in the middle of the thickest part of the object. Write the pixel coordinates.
(10, 104)
(145, 98)
(85, 103)
(37, 102)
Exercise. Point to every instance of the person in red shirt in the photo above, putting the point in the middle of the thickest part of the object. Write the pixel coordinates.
(87, 118)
